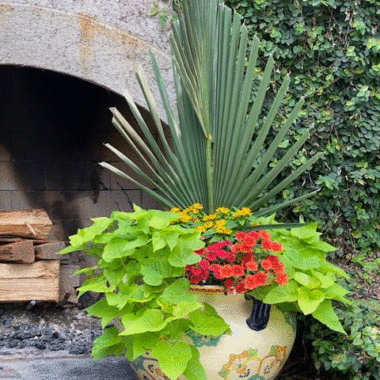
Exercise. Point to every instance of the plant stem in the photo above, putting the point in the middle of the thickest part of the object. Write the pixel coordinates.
(209, 174)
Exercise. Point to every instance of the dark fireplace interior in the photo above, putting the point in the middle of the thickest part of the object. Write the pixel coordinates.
(52, 131)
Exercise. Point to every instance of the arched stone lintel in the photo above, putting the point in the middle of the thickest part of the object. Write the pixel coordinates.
(77, 45)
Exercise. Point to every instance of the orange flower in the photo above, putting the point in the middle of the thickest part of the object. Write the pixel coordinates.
(237, 270)
(266, 264)
(264, 235)
(281, 278)
(225, 271)
(255, 280)
(252, 266)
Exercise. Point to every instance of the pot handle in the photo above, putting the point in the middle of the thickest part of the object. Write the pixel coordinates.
(259, 317)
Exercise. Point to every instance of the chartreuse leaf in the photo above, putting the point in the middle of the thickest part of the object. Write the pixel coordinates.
(86, 235)
(171, 238)
(326, 314)
(178, 292)
(325, 280)
(302, 258)
(309, 300)
(306, 280)
(285, 293)
(158, 241)
(148, 320)
(95, 283)
(117, 248)
(172, 357)
(114, 273)
(183, 253)
(307, 232)
(194, 370)
(143, 342)
(207, 322)
(331, 268)
(131, 271)
(183, 309)
(155, 271)
(107, 344)
(338, 293)
(103, 310)
(162, 219)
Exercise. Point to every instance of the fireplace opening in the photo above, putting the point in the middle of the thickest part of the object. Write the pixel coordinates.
(52, 130)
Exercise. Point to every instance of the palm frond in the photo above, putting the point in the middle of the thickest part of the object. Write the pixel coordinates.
(216, 152)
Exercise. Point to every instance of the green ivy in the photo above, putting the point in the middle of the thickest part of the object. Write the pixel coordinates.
(355, 356)
(332, 50)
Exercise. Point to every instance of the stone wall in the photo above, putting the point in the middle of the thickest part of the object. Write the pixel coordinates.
(101, 41)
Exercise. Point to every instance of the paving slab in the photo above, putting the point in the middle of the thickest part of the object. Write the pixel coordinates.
(79, 368)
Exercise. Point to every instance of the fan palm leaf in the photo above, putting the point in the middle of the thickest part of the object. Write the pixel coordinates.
(216, 155)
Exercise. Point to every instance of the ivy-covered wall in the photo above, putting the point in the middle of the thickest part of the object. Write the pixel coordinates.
(332, 50)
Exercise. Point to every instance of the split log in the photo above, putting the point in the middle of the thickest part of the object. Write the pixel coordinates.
(68, 283)
(48, 251)
(18, 252)
(25, 282)
(33, 224)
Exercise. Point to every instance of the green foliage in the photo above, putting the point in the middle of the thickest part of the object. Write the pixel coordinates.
(312, 281)
(332, 50)
(217, 136)
(355, 356)
(140, 269)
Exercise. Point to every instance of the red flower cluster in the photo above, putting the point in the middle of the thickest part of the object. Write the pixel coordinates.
(240, 266)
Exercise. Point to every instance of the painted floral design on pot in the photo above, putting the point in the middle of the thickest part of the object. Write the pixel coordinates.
(243, 355)
(248, 365)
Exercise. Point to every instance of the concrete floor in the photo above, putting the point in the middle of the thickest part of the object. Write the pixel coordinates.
(109, 368)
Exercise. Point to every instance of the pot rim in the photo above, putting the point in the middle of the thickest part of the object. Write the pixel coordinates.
(208, 289)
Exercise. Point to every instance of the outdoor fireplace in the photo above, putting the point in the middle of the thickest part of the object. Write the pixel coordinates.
(53, 127)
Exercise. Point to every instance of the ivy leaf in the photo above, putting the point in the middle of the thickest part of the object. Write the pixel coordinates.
(309, 300)
(103, 310)
(326, 314)
(172, 357)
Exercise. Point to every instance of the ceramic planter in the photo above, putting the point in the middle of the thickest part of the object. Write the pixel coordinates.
(246, 353)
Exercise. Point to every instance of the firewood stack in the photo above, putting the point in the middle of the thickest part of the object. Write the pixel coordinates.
(30, 269)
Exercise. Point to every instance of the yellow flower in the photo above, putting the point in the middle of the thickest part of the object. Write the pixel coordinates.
(184, 216)
(220, 223)
(209, 217)
(208, 224)
(223, 210)
(201, 228)
(174, 209)
(242, 212)
(197, 206)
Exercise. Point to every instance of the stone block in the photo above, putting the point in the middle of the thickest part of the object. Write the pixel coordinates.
(5, 200)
